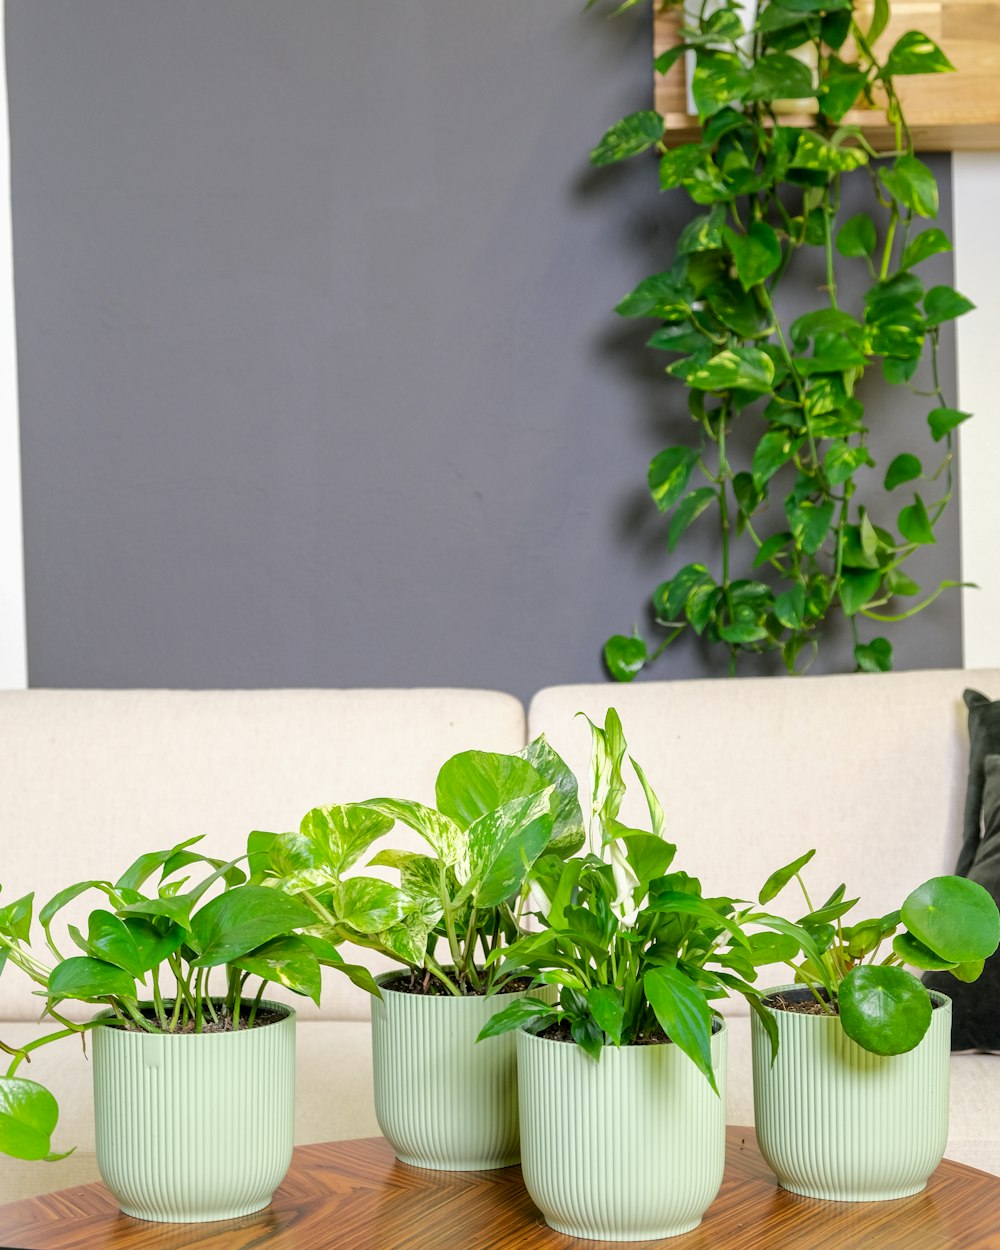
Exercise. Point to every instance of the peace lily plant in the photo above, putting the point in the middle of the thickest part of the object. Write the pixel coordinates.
(454, 904)
(151, 958)
(637, 952)
(947, 923)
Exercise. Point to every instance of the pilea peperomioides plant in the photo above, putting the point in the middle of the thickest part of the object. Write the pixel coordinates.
(809, 526)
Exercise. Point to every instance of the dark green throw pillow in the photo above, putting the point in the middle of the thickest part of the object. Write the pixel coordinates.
(976, 1006)
(984, 739)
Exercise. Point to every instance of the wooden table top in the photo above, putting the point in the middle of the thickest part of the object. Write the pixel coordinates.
(354, 1195)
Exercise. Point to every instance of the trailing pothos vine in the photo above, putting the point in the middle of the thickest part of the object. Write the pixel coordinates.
(797, 545)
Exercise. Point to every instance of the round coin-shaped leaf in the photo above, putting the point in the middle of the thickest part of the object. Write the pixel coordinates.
(885, 1010)
(953, 916)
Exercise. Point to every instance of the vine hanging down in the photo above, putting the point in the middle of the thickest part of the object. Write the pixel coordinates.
(798, 545)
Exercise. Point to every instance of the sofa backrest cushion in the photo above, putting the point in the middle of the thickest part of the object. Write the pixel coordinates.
(91, 779)
(868, 768)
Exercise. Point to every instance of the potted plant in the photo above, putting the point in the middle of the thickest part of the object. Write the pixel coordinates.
(854, 1105)
(622, 1079)
(193, 1081)
(784, 294)
(440, 1101)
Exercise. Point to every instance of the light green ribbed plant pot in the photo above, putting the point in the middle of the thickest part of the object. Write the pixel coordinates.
(630, 1148)
(835, 1121)
(195, 1127)
(442, 1100)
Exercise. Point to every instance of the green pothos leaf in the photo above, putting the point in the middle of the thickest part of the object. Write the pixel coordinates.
(633, 134)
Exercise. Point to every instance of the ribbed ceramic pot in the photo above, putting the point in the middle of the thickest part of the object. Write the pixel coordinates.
(835, 1121)
(629, 1148)
(195, 1127)
(442, 1100)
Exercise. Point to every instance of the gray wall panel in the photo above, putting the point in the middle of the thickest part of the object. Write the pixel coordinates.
(320, 382)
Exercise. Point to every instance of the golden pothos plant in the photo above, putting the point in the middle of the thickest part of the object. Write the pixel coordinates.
(796, 545)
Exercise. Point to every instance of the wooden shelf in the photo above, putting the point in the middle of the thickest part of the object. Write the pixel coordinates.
(957, 112)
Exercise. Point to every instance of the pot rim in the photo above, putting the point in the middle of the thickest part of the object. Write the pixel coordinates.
(938, 1000)
(719, 1027)
(287, 1013)
(381, 979)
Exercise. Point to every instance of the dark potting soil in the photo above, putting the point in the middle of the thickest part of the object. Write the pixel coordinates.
(419, 981)
(803, 1002)
(224, 1024)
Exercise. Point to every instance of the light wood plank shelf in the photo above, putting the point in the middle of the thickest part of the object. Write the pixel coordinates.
(957, 112)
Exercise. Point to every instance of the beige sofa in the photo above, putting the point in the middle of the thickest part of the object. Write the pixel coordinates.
(868, 769)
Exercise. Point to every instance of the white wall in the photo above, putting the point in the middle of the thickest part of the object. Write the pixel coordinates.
(13, 649)
(976, 193)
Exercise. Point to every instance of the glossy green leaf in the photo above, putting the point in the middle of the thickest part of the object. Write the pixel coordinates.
(857, 237)
(842, 461)
(503, 845)
(288, 961)
(568, 832)
(778, 75)
(658, 296)
(810, 523)
(926, 244)
(778, 879)
(336, 837)
(953, 916)
(521, 1012)
(913, 184)
(772, 547)
(703, 233)
(681, 586)
(88, 979)
(857, 587)
(874, 656)
(665, 62)
(756, 254)
(28, 1115)
(15, 918)
(904, 468)
(702, 604)
(746, 368)
(608, 1009)
(441, 833)
(841, 86)
(240, 920)
(774, 449)
(914, 53)
(915, 523)
(472, 783)
(885, 1010)
(943, 420)
(370, 905)
(917, 955)
(683, 1014)
(880, 20)
(816, 153)
(679, 164)
(669, 474)
(676, 338)
(969, 971)
(649, 855)
(790, 606)
(688, 510)
(719, 79)
(943, 303)
(143, 868)
(633, 134)
(624, 656)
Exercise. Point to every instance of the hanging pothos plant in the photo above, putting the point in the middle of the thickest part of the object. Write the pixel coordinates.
(797, 546)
